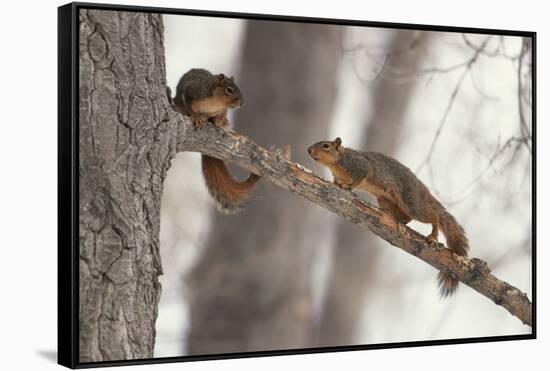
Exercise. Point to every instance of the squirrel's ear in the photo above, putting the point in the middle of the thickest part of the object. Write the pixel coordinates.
(337, 142)
(232, 78)
(220, 78)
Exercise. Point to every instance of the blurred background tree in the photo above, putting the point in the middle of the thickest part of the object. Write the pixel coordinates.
(356, 252)
(251, 289)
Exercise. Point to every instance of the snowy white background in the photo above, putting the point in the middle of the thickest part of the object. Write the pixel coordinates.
(29, 188)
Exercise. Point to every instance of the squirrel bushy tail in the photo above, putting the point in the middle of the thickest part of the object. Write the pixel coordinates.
(228, 193)
(457, 243)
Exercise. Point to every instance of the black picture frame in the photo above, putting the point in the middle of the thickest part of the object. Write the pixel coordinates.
(68, 180)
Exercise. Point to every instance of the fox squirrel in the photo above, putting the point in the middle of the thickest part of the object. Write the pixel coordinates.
(400, 194)
(207, 97)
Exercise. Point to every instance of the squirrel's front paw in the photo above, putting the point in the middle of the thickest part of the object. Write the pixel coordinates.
(402, 229)
(389, 221)
(220, 121)
(198, 120)
(347, 187)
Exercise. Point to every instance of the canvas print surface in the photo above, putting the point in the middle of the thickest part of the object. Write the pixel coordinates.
(299, 185)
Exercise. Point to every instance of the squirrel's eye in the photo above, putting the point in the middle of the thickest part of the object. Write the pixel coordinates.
(229, 90)
(326, 146)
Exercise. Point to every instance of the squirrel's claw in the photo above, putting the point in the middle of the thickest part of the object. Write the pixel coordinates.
(347, 187)
(402, 229)
(389, 221)
(221, 120)
(198, 120)
(432, 241)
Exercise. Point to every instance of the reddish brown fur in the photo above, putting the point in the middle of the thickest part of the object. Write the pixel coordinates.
(228, 193)
(387, 180)
(207, 97)
(211, 106)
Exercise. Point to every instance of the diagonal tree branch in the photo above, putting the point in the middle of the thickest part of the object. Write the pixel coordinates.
(274, 166)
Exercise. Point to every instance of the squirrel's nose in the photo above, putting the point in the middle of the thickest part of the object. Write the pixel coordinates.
(309, 150)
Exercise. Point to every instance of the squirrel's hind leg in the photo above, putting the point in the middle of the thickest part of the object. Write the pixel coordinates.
(392, 216)
(221, 119)
(432, 237)
(390, 207)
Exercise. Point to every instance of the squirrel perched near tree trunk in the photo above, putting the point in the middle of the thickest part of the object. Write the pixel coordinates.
(400, 194)
(206, 97)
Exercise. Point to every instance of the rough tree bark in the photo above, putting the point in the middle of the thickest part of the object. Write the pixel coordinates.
(125, 151)
(252, 289)
(354, 262)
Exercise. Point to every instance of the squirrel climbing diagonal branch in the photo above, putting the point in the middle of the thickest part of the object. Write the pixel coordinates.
(274, 166)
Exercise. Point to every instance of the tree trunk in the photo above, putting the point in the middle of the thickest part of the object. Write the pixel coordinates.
(252, 289)
(355, 253)
(124, 155)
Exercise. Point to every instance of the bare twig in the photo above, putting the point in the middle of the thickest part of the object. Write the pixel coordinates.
(481, 49)
(443, 119)
(382, 61)
(450, 104)
(472, 185)
(525, 131)
(504, 52)
(230, 146)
